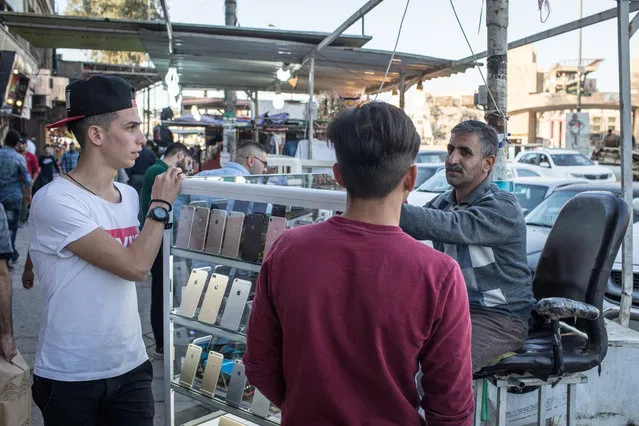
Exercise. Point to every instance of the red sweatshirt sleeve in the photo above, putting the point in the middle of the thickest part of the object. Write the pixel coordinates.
(263, 357)
(446, 361)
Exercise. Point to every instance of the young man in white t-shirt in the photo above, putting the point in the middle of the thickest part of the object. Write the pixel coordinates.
(91, 365)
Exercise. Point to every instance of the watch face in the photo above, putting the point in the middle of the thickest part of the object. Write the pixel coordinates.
(160, 213)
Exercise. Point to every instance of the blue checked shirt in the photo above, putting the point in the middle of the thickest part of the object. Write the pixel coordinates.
(69, 161)
(14, 175)
(6, 250)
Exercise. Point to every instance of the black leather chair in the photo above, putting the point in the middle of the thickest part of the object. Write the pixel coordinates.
(569, 285)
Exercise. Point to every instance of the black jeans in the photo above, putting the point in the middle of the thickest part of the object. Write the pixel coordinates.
(126, 400)
(157, 300)
(13, 208)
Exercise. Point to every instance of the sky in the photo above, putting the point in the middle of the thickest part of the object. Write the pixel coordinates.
(429, 29)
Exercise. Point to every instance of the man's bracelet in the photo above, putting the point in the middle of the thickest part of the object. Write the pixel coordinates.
(157, 200)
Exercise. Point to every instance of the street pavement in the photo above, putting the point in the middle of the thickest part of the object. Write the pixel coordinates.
(27, 307)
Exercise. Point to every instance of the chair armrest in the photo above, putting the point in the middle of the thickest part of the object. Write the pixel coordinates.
(556, 308)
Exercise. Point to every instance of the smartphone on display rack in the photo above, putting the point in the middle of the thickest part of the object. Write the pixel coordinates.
(276, 226)
(190, 364)
(198, 228)
(211, 373)
(215, 234)
(213, 298)
(237, 383)
(193, 292)
(233, 234)
(183, 233)
(253, 232)
(260, 404)
(235, 304)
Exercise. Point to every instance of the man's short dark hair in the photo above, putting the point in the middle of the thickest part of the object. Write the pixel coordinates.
(247, 148)
(12, 138)
(81, 127)
(375, 145)
(487, 135)
(175, 148)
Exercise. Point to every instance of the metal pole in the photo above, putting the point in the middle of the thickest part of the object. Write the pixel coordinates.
(402, 90)
(256, 130)
(309, 119)
(497, 24)
(623, 12)
(148, 110)
(167, 305)
(579, 68)
(230, 97)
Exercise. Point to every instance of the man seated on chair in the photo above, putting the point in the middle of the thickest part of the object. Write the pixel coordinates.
(483, 228)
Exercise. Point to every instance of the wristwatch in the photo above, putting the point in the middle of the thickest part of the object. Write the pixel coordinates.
(161, 215)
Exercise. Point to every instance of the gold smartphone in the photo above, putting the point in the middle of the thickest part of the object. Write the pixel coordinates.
(215, 234)
(190, 364)
(276, 226)
(211, 373)
(233, 234)
(226, 421)
(193, 292)
(198, 228)
(213, 298)
(183, 233)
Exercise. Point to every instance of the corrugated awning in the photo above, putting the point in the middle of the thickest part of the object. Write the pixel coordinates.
(220, 57)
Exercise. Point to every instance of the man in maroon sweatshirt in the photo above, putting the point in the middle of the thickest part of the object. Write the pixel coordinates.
(348, 310)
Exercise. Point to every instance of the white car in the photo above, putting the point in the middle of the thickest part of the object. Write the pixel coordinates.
(564, 163)
(438, 184)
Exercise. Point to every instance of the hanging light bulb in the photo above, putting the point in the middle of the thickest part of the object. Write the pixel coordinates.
(394, 97)
(278, 100)
(283, 75)
(195, 112)
(420, 87)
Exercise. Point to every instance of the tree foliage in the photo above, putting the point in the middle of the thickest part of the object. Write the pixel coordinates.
(143, 10)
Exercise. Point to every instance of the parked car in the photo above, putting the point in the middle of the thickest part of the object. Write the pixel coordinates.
(565, 163)
(540, 220)
(437, 184)
(530, 191)
(426, 171)
(431, 157)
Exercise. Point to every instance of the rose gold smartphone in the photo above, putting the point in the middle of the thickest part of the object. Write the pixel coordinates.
(211, 373)
(276, 226)
(198, 228)
(215, 234)
(213, 298)
(193, 292)
(190, 364)
(183, 233)
(233, 234)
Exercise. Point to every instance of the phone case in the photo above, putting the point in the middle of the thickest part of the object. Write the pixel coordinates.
(276, 226)
(237, 383)
(189, 367)
(226, 421)
(217, 224)
(183, 233)
(253, 231)
(235, 304)
(193, 292)
(198, 228)
(211, 373)
(233, 234)
(213, 298)
(260, 404)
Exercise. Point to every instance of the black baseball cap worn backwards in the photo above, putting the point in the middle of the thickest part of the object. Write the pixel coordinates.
(96, 95)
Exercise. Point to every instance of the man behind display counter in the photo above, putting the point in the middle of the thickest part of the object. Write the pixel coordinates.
(346, 311)
(91, 366)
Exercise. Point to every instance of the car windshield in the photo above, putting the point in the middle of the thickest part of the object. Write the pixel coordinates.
(529, 196)
(437, 183)
(571, 160)
(424, 173)
(431, 157)
(547, 211)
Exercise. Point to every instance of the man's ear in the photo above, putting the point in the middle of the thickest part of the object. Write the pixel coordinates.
(489, 163)
(410, 178)
(338, 175)
(95, 135)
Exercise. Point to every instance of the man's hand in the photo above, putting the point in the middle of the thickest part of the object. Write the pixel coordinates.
(7, 347)
(27, 277)
(167, 185)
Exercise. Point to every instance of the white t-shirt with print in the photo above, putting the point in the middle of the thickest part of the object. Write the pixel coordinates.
(90, 327)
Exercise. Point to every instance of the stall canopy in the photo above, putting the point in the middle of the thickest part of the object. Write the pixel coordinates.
(221, 57)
